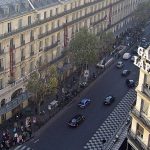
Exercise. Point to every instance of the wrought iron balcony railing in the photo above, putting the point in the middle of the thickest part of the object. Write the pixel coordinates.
(137, 141)
(51, 46)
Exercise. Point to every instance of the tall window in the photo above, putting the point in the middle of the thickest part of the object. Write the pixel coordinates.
(41, 45)
(1, 84)
(51, 13)
(56, 11)
(65, 7)
(144, 107)
(40, 30)
(9, 27)
(11, 42)
(19, 23)
(46, 42)
(46, 28)
(29, 20)
(53, 38)
(140, 131)
(22, 72)
(45, 15)
(22, 38)
(1, 63)
(31, 66)
(38, 16)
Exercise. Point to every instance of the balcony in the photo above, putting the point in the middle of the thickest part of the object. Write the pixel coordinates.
(32, 53)
(1, 69)
(50, 32)
(141, 117)
(14, 103)
(51, 46)
(137, 141)
(39, 22)
(31, 38)
(12, 46)
(22, 42)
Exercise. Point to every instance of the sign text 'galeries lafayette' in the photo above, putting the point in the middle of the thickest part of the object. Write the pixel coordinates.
(143, 59)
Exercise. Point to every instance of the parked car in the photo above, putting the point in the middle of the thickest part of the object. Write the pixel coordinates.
(101, 64)
(125, 73)
(84, 102)
(126, 56)
(130, 83)
(109, 99)
(119, 64)
(76, 120)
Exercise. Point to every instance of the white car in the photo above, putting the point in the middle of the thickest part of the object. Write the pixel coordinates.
(101, 64)
(126, 56)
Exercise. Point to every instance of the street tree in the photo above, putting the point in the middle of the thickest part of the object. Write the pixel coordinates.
(52, 79)
(106, 41)
(84, 48)
(36, 85)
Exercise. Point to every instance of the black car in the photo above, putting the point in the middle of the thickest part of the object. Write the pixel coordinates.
(130, 83)
(76, 120)
(109, 99)
(125, 73)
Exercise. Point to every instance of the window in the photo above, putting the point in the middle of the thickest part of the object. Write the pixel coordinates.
(144, 107)
(40, 30)
(22, 38)
(65, 7)
(56, 11)
(22, 72)
(1, 84)
(140, 131)
(11, 42)
(31, 66)
(53, 38)
(46, 28)
(58, 36)
(19, 23)
(51, 13)
(22, 52)
(45, 15)
(29, 20)
(38, 16)
(9, 27)
(58, 23)
(52, 25)
(1, 63)
(46, 42)
(40, 45)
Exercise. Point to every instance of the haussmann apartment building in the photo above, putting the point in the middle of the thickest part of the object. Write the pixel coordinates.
(36, 31)
(139, 133)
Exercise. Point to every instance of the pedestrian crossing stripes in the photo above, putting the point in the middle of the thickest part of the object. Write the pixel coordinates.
(103, 136)
(23, 147)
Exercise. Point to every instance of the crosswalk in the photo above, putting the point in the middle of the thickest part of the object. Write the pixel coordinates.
(102, 137)
(22, 147)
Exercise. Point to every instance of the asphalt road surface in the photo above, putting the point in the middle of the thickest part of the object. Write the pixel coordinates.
(58, 136)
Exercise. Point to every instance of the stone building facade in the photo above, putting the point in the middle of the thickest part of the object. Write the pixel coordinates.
(36, 31)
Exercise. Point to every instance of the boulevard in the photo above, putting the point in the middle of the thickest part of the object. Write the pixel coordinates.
(56, 135)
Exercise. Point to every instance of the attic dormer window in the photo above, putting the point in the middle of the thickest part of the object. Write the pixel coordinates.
(6, 10)
(17, 8)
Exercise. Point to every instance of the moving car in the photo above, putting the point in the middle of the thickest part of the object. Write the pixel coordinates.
(101, 64)
(130, 83)
(126, 56)
(109, 99)
(84, 102)
(119, 64)
(125, 73)
(76, 120)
